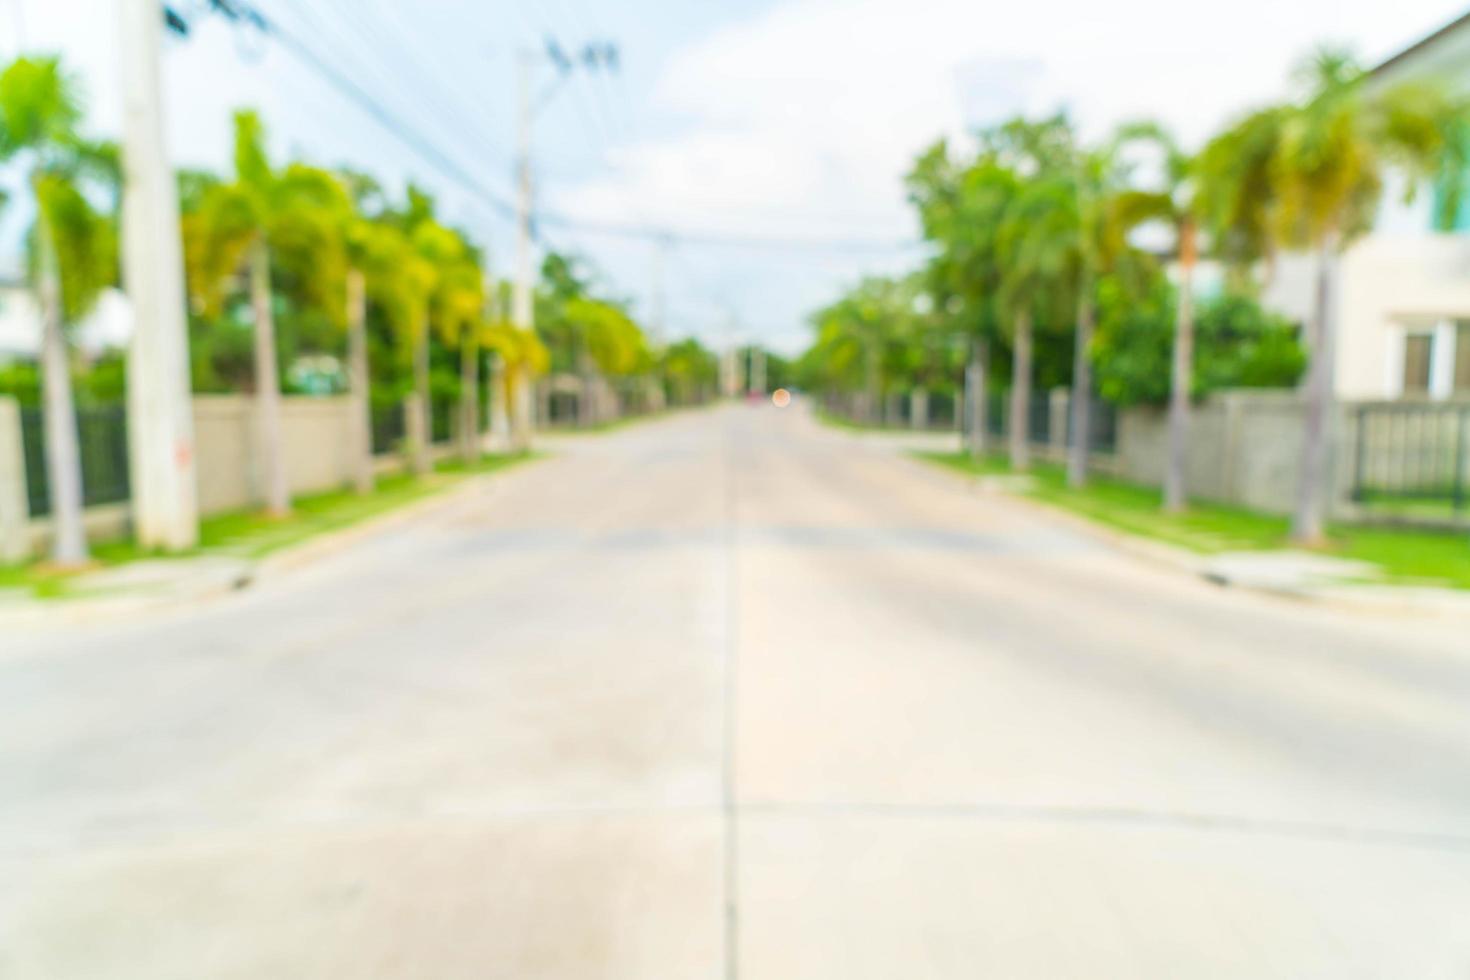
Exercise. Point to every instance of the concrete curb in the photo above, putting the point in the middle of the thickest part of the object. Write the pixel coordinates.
(191, 590)
(330, 543)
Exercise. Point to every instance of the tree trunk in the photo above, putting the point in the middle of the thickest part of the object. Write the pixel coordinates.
(1181, 378)
(919, 408)
(1081, 396)
(267, 386)
(359, 382)
(469, 397)
(1309, 522)
(978, 397)
(499, 416)
(519, 391)
(1021, 395)
(63, 455)
(421, 435)
(872, 396)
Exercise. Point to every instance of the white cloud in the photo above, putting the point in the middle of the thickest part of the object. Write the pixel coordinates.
(803, 120)
(799, 120)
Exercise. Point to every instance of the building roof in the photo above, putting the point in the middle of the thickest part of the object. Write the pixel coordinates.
(1459, 23)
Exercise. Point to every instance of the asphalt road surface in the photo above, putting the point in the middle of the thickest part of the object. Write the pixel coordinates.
(732, 695)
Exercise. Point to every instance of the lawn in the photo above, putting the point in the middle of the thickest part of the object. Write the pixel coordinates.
(1404, 555)
(253, 534)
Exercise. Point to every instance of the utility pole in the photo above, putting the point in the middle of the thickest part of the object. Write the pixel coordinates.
(758, 370)
(160, 410)
(657, 310)
(523, 307)
(595, 56)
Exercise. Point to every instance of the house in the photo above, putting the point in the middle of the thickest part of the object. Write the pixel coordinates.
(1403, 297)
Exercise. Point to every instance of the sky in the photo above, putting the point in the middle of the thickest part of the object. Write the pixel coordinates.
(765, 141)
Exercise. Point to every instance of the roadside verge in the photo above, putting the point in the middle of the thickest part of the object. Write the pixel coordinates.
(239, 550)
(1368, 569)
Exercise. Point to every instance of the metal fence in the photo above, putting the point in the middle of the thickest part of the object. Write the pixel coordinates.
(1102, 420)
(1038, 419)
(102, 438)
(441, 419)
(389, 427)
(1412, 452)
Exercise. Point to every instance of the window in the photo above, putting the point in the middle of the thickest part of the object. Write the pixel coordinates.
(1418, 348)
(1462, 357)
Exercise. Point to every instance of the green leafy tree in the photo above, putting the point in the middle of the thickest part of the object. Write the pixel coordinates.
(73, 253)
(1174, 203)
(1326, 157)
(1239, 345)
(690, 371)
(239, 225)
(855, 350)
(1039, 244)
(961, 209)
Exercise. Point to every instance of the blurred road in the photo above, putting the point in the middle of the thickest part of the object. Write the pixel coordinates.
(732, 695)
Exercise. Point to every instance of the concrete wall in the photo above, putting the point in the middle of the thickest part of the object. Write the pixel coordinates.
(317, 438)
(317, 441)
(14, 538)
(1245, 448)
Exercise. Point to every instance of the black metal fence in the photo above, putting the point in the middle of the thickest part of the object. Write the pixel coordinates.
(1412, 451)
(441, 419)
(389, 427)
(390, 423)
(1102, 421)
(102, 438)
(1038, 419)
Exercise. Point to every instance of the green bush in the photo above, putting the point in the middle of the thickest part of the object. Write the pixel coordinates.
(1238, 344)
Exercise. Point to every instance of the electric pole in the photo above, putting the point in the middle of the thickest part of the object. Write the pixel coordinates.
(657, 310)
(523, 307)
(160, 411)
(597, 55)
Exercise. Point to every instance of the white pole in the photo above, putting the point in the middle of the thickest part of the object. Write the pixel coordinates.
(160, 412)
(523, 307)
(656, 335)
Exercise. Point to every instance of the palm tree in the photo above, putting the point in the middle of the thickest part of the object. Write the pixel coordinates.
(74, 257)
(399, 282)
(523, 357)
(1328, 165)
(359, 233)
(1038, 244)
(1174, 203)
(293, 215)
(962, 209)
(459, 309)
(442, 255)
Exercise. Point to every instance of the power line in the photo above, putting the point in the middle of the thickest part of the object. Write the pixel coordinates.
(683, 237)
(408, 134)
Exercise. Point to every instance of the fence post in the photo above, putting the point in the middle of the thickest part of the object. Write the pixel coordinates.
(1458, 494)
(15, 542)
(1058, 414)
(919, 408)
(1360, 461)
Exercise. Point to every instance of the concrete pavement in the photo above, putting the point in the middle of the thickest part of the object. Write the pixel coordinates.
(732, 695)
